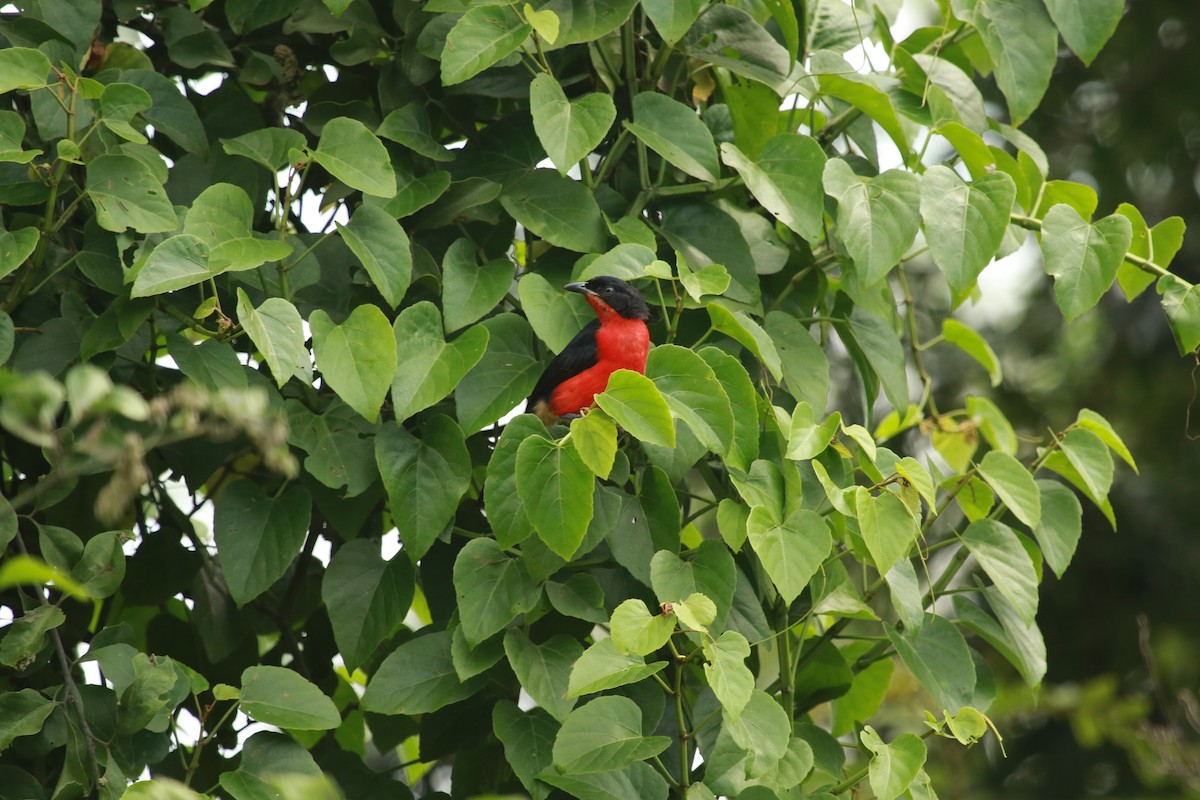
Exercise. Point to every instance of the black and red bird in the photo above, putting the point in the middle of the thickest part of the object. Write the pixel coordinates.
(617, 339)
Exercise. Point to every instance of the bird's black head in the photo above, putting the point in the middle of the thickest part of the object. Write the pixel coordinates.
(614, 293)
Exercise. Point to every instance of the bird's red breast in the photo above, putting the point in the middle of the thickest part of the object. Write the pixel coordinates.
(620, 344)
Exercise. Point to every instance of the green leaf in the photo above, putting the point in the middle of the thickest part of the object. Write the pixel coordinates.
(894, 766)
(864, 92)
(258, 536)
(569, 130)
(738, 326)
(468, 290)
(605, 734)
(1023, 44)
(709, 570)
(1097, 424)
(602, 667)
(339, 443)
(887, 527)
(425, 478)
(1022, 645)
(480, 38)
(786, 179)
(556, 488)
(807, 439)
(1061, 524)
(409, 126)
(728, 676)
(676, 133)
(22, 714)
(588, 20)
(502, 501)
(629, 261)
(545, 23)
(366, 596)
(635, 403)
(417, 678)
(791, 551)
(432, 366)
(491, 589)
(277, 331)
(635, 631)
(160, 789)
(884, 353)
(26, 636)
(1086, 25)
(803, 363)
(558, 209)
(544, 669)
(938, 655)
(382, 247)
(974, 345)
(727, 36)
(267, 757)
(1015, 486)
(556, 316)
(101, 567)
(177, 263)
(22, 68)
(119, 103)
(732, 518)
(1083, 258)
(877, 217)
(992, 423)
(356, 157)
(15, 247)
(595, 438)
(693, 394)
(357, 358)
(1088, 464)
(1007, 563)
(672, 18)
(528, 739)
(763, 728)
(964, 223)
(502, 378)
(279, 696)
(1181, 302)
(128, 195)
(696, 612)
(742, 396)
(580, 596)
(268, 147)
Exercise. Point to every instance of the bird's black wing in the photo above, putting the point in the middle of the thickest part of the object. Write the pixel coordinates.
(578, 355)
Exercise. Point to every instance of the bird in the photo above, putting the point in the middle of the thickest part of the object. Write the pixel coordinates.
(617, 339)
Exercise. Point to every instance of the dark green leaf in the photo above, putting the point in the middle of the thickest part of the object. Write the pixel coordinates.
(877, 217)
(469, 290)
(544, 669)
(502, 378)
(22, 714)
(258, 536)
(604, 734)
(528, 739)
(786, 179)
(491, 588)
(367, 598)
(268, 147)
(502, 501)
(693, 394)
(558, 209)
(937, 654)
(1086, 26)
(672, 18)
(410, 127)
(432, 366)
(425, 478)
(417, 678)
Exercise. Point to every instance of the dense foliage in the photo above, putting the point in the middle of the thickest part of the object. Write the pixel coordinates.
(704, 586)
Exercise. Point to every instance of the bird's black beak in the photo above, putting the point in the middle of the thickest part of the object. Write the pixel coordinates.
(578, 287)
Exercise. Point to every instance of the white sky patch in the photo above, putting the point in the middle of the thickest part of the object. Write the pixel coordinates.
(1004, 288)
(207, 84)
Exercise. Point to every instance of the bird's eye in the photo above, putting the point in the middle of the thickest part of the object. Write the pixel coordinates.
(608, 290)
